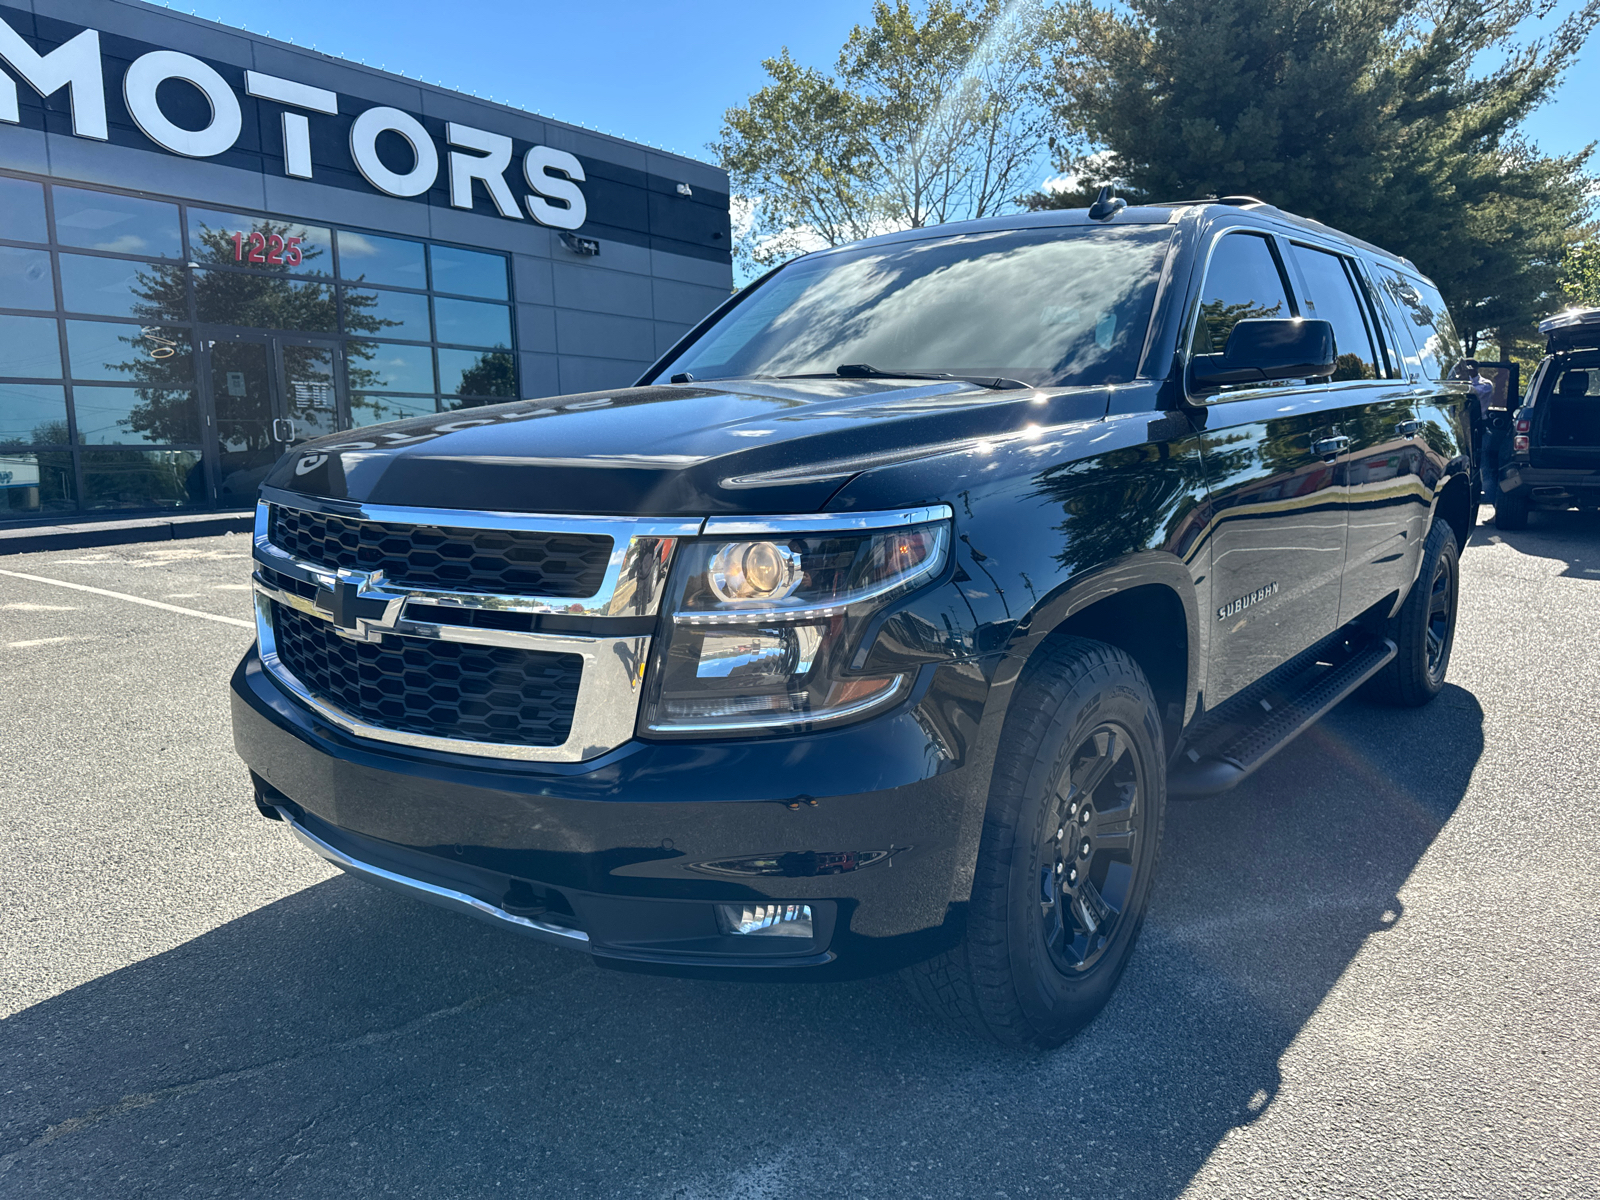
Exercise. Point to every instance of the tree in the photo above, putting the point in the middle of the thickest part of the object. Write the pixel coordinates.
(931, 117)
(1580, 274)
(1377, 117)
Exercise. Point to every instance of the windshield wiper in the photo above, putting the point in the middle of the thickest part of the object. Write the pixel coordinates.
(868, 371)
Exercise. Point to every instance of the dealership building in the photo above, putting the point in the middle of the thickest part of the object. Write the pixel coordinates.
(214, 245)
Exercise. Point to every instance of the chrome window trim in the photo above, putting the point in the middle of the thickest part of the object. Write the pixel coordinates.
(431, 893)
(608, 690)
(836, 522)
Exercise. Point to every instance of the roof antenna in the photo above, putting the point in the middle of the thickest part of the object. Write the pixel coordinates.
(1107, 206)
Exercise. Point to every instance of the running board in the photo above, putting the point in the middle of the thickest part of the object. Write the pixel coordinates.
(1238, 738)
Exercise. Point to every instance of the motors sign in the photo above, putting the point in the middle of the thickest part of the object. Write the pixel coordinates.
(76, 67)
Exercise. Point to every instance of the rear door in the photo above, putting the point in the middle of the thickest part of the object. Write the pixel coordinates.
(1277, 517)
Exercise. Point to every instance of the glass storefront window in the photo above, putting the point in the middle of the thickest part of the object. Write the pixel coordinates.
(115, 287)
(135, 479)
(35, 484)
(119, 224)
(25, 277)
(387, 314)
(264, 302)
(468, 323)
(478, 373)
(115, 416)
(259, 243)
(374, 410)
(22, 211)
(373, 366)
(469, 273)
(129, 353)
(367, 258)
(30, 348)
(32, 414)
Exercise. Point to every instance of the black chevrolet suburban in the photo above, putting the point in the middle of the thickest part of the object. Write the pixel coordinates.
(873, 627)
(1549, 452)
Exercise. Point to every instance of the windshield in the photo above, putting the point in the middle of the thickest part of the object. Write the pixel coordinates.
(1055, 306)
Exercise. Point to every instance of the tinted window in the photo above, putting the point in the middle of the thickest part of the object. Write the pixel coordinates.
(387, 314)
(1047, 306)
(129, 353)
(30, 347)
(264, 301)
(373, 410)
(260, 243)
(373, 259)
(114, 287)
(25, 280)
(1331, 295)
(468, 273)
(22, 210)
(32, 414)
(108, 416)
(477, 373)
(373, 366)
(1243, 282)
(123, 224)
(33, 483)
(1426, 319)
(471, 324)
(142, 479)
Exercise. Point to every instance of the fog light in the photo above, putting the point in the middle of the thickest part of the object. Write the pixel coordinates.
(766, 920)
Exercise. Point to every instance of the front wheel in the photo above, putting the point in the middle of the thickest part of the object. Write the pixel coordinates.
(1424, 630)
(1069, 847)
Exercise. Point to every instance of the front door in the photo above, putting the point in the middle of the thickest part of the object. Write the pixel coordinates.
(268, 394)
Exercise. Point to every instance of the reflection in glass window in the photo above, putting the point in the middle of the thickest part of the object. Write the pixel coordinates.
(478, 373)
(1242, 283)
(373, 366)
(33, 414)
(114, 287)
(468, 273)
(29, 347)
(121, 224)
(142, 479)
(111, 416)
(1423, 314)
(386, 314)
(373, 410)
(151, 354)
(1333, 299)
(264, 301)
(25, 278)
(372, 259)
(35, 483)
(469, 323)
(22, 210)
(259, 243)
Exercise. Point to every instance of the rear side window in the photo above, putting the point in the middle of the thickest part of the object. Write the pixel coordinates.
(1331, 295)
(1243, 281)
(1423, 313)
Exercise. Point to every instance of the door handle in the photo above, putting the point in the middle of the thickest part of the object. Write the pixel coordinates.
(1331, 447)
(282, 429)
(1408, 428)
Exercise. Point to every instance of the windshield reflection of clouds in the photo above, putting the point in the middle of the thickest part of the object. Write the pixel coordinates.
(1045, 306)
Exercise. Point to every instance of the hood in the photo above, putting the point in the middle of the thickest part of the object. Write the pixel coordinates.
(683, 449)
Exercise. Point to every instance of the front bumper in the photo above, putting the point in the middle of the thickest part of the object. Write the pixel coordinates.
(875, 826)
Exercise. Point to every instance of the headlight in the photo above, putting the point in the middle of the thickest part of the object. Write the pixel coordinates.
(762, 627)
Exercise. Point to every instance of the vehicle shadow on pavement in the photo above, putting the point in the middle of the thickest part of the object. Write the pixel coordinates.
(1571, 537)
(348, 1041)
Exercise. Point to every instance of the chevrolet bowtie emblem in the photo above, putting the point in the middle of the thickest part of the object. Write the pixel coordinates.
(358, 607)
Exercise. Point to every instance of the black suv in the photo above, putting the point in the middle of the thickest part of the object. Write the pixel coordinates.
(1549, 457)
(873, 627)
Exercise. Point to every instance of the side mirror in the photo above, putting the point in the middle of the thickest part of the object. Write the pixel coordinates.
(1265, 348)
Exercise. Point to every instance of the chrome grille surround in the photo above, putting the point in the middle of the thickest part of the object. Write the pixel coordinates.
(364, 606)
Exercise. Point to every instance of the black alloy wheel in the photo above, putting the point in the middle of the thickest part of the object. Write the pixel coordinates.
(1089, 861)
(1441, 628)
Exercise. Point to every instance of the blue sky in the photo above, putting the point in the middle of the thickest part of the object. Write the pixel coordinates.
(651, 72)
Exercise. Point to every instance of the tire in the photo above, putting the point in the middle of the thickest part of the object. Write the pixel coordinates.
(1046, 942)
(1424, 630)
(1511, 511)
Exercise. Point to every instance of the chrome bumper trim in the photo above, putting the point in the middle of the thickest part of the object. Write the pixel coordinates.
(430, 893)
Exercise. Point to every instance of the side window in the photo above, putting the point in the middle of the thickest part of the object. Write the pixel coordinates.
(1428, 322)
(1397, 315)
(1332, 297)
(1243, 281)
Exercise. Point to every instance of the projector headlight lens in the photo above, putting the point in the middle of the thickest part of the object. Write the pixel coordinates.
(761, 632)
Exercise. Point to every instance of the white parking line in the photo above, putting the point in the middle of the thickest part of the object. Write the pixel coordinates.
(82, 587)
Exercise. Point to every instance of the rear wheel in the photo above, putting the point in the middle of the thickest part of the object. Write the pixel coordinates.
(1424, 630)
(1511, 511)
(1069, 848)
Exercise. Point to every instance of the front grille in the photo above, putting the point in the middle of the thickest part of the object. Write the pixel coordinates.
(480, 560)
(441, 689)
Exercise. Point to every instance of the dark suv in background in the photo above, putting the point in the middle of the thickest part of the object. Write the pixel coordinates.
(874, 626)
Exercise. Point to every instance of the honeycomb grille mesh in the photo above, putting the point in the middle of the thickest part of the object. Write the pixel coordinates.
(441, 689)
(479, 560)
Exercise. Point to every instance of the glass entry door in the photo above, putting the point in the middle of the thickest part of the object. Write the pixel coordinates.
(268, 394)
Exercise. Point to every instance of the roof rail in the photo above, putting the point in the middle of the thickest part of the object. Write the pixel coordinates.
(1241, 201)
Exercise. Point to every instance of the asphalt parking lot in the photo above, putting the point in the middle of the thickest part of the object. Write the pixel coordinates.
(1373, 970)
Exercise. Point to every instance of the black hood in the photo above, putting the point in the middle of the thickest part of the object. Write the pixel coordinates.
(744, 446)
